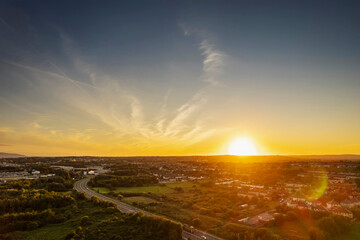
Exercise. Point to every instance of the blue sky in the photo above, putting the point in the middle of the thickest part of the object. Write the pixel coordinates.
(179, 77)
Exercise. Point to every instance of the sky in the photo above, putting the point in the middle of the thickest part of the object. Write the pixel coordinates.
(131, 78)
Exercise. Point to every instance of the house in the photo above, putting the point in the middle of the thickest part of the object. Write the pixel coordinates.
(332, 204)
(50, 175)
(298, 196)
(299, 204)
(338, 210)
(350, 203)
(294, 185)
(318, 208)
(258, 192)
(291, 203)
(265, 217)
(260, 219)
(243, 220)
(314, 203)
(337, 180)
(302, 205)
(66, 168)
(252, 186)
(248, 195)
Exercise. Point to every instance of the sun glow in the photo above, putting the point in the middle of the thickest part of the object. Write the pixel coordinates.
(242, 147)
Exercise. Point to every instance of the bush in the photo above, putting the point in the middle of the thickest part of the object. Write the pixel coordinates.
(291, 216)
(316, 234)
(196, 222)
(203, 211)
(79, 195)
(85, 220)
(179, 189)
(32, 225)
(56, 187)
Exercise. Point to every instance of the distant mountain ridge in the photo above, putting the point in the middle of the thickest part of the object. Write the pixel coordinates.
(10, 155)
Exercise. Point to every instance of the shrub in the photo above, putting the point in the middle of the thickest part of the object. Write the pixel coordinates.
(32, 225)
(85, 220)
(196, 222)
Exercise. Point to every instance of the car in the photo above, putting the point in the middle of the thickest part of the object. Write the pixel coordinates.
(203, 237)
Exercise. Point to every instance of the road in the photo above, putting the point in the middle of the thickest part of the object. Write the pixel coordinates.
(81, 186)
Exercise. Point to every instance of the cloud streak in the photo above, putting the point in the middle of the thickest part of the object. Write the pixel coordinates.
(213, 62)
(214, 59)
(113, 113)
(185, 125)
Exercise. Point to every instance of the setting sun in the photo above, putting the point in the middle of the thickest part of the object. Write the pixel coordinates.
(242, 147)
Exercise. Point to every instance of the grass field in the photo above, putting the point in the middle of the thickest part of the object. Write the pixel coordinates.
(145, 200)
(49, 232)
(101, 190)
(169, 188)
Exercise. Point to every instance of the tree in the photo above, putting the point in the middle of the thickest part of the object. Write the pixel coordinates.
(32, 225)
(315, 234)
(357, 181)
(329, 226)
(291, 216)
(179, 189)
(85, 220)
(196, 222)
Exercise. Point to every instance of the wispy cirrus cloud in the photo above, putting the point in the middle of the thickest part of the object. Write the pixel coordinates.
(114, 113)
(185, 124)
(179, 123)
(213, 62)
(214, 59)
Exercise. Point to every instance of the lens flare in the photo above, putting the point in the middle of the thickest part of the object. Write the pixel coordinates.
(318, 187)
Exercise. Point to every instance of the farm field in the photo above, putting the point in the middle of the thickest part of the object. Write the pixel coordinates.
(139, 199)
(155, 189)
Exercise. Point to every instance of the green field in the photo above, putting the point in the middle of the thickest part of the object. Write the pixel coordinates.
(49, 232)
(169, 188)
(101, 190)
(170, 210)
(144, 200)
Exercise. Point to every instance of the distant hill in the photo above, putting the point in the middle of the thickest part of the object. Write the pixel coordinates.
(10, 155)
(294, 158)
(266, 158)
(247, 159)
(344, 157)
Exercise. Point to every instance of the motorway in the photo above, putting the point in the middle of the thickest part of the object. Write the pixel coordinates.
(81, 186)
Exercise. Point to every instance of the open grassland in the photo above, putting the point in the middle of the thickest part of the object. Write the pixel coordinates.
(102, 190)
(145, 200)
(166, 188)
(50, 232)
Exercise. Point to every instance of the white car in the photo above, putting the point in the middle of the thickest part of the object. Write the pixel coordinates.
(203, 237)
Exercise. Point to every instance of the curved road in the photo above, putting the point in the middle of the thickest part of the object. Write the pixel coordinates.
(81, 186)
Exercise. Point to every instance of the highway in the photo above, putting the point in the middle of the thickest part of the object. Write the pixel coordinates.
(81, 186)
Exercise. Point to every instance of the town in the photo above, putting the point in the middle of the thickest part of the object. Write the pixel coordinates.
(218, 194)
